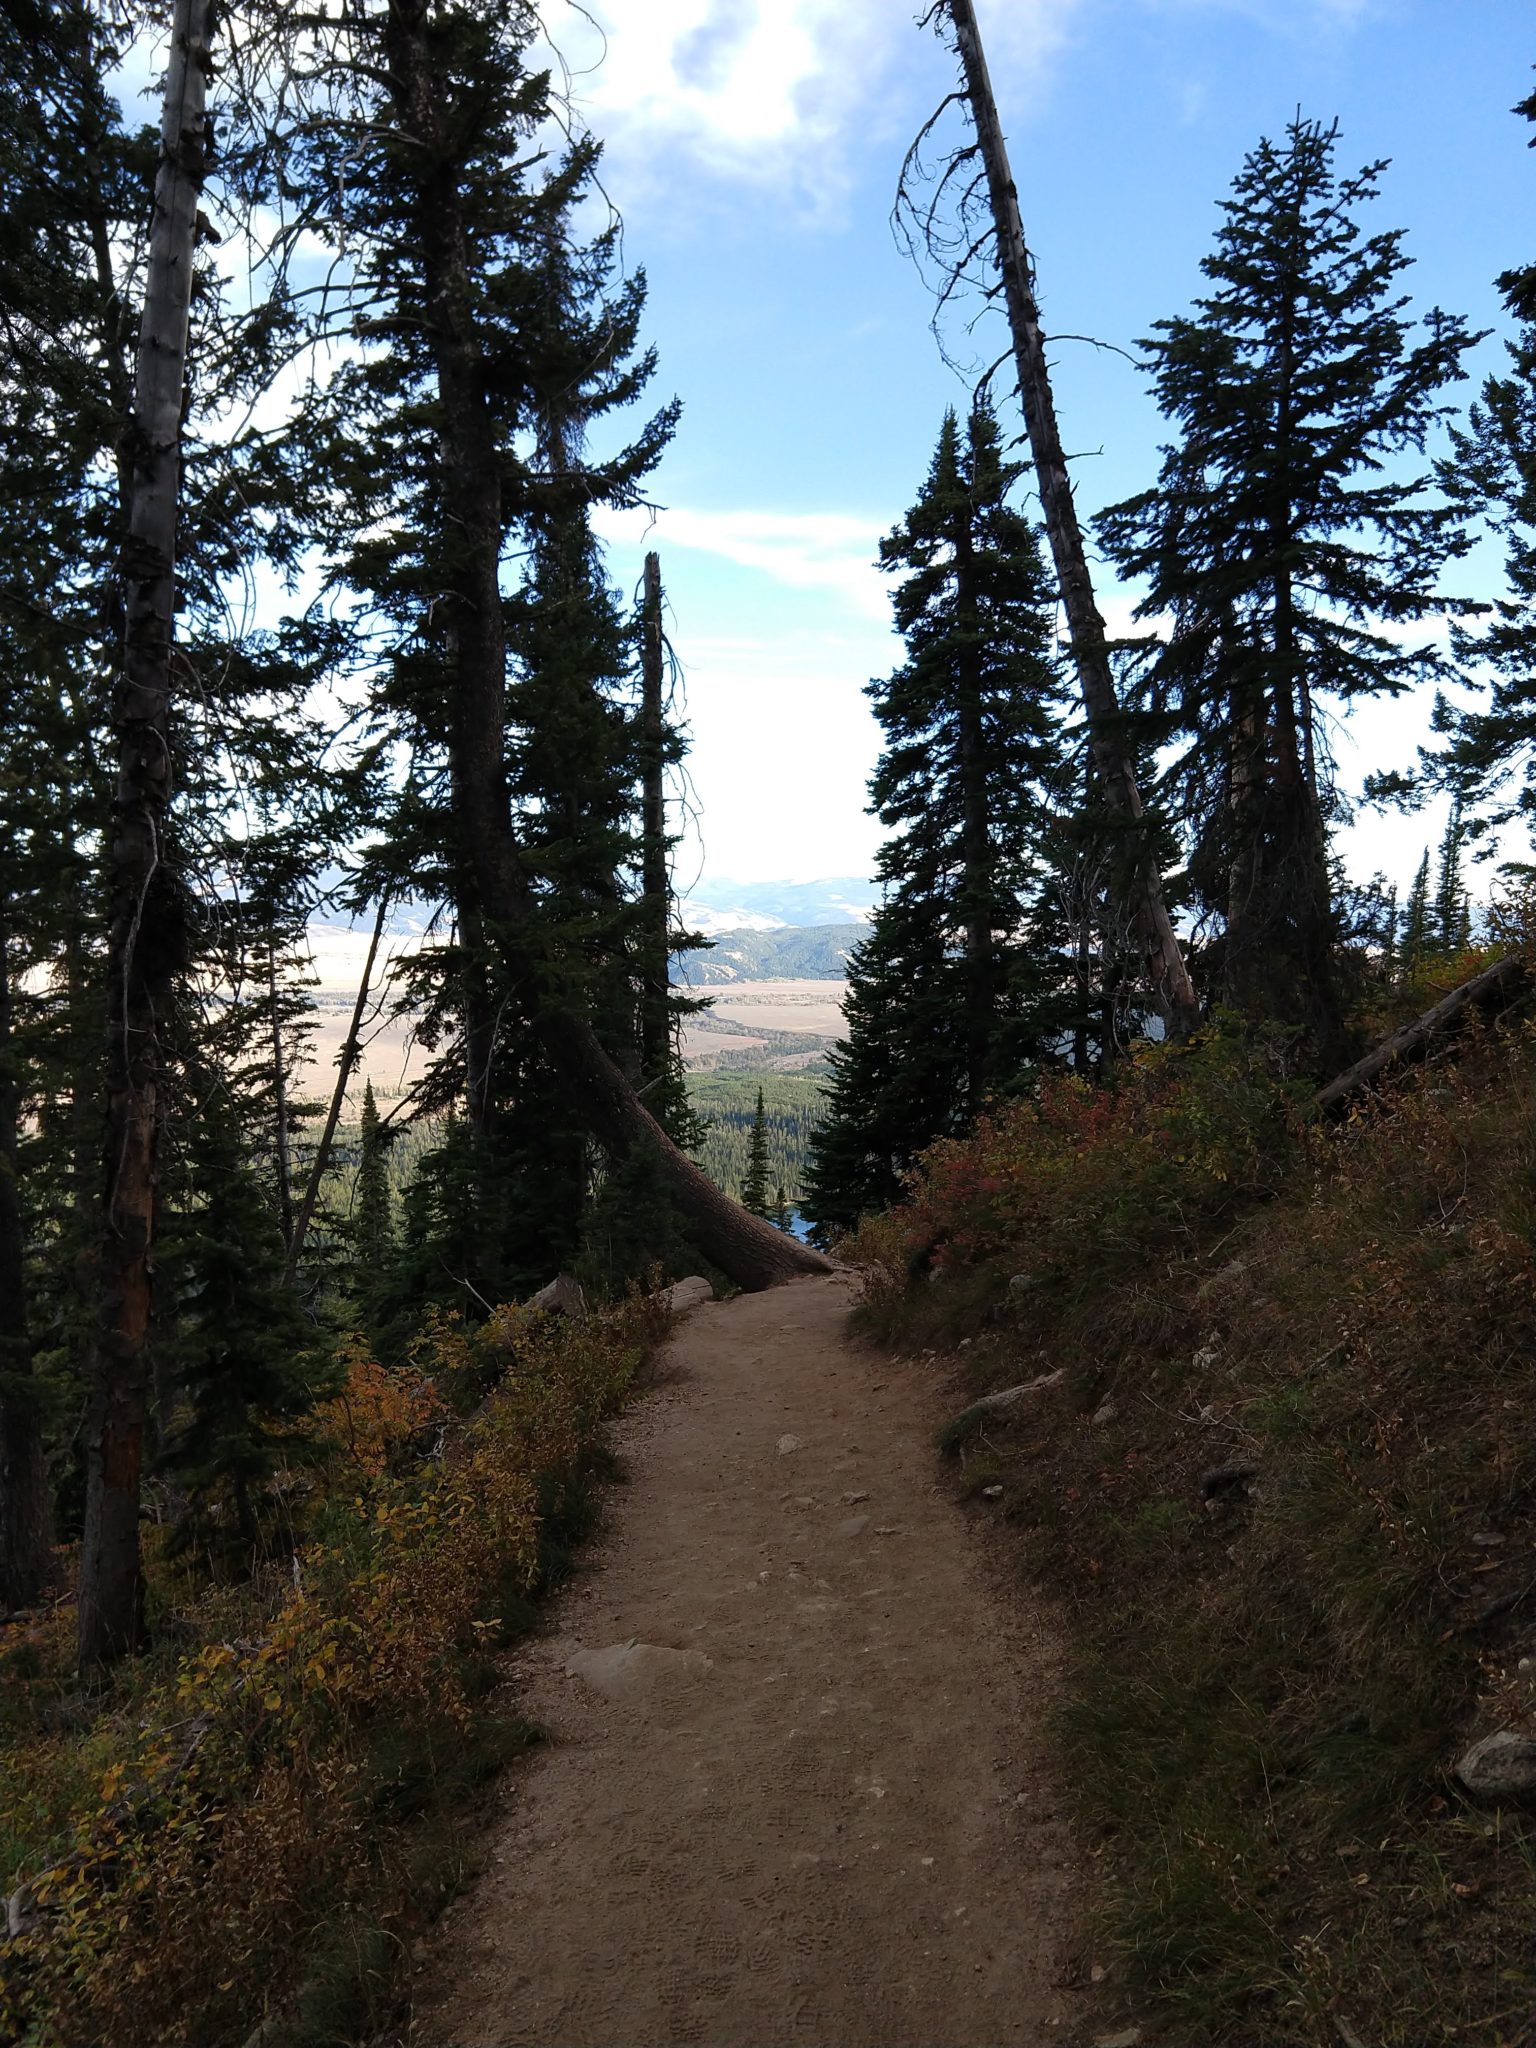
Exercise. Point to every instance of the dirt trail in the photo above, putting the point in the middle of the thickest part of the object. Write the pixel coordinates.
(803, 1808)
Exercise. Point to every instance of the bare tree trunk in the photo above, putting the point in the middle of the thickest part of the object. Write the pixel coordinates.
(144, 942)
(655, 882)
(1170, 978)
(752, 1252)
(346, 1062)
(280, 1108)
(26, 1520)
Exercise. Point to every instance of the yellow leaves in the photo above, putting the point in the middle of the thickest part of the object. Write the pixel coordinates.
(226, 1809)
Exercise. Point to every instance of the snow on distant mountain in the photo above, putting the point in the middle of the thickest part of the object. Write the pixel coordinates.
(788, 953)
(722, 906)
(694, 916)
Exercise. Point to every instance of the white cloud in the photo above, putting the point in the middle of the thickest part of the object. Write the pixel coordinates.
(768, 92)
(784, 742)
(825, 551)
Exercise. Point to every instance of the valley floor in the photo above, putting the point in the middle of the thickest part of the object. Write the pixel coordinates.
(795, 1787)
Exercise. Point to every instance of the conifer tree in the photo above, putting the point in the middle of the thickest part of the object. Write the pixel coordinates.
(754, 1182)
(240, 1345)
(1452, 920)
(1417, 920)
(959, 987)
(1287, 542)
(1490, 756)
(426, 135)
(373, 1223)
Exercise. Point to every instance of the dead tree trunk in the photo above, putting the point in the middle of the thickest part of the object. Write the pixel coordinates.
(1170, 978)
(752, 1252)
(282, 1134)
(655, 882)
(1502, 979)
(345, 1064)
(26, 1522)
(144, 941)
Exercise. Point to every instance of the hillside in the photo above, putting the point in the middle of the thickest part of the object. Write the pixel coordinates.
(1255, 1409)
(792, 953)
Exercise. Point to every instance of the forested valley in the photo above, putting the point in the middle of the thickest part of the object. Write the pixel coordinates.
(1211, 1167)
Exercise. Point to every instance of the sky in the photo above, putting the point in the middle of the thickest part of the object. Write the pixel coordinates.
(753, 147)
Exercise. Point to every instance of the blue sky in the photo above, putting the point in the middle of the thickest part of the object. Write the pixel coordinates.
(753, 148)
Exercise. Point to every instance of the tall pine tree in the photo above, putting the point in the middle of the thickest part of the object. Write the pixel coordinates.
(955, 992)
(1287, 542)
(1491, 750)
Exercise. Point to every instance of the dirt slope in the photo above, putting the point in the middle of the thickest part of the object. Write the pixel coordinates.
(802, 1808)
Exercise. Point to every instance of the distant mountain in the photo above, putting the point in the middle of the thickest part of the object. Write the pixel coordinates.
(791, 953)
(723, 906)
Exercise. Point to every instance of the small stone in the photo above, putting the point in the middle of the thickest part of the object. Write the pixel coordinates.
(690, 1293)
(1227, 1480)
(1128, 2037)
(788, 1445)
(1097, 1974)
(991, 1493)
(1021, 1284)
(1501, 1766)
(854, 1526)
(562, 1297)
(1207, 1356)
(888, 1529)
(620, 1670)
(853, 1499)
(1106, 1412)
(1486, 1539)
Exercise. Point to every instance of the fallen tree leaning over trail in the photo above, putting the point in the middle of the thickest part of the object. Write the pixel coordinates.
(1409, 1040)
(470, 479)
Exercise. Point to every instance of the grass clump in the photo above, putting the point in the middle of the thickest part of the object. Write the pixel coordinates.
(1272, 1674)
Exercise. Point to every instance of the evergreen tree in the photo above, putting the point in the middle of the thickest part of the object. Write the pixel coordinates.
(960, 985)
(1417, 925)
(1286, 541)
(1491, 752)
(1452, 922)
(754, 1183)
(552, 333)
(240, 1345)
(780, 1210)
(373, 1222)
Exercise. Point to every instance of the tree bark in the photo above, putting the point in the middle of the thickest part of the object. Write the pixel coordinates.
(282, 1133)
(145, 939)
(752, 1252)
(26, 1520)
(1503, 978)
(1170, 978)
(346, 1062)
(655, 881)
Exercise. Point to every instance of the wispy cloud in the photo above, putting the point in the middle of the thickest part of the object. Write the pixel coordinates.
(764, 92)
(825, 551)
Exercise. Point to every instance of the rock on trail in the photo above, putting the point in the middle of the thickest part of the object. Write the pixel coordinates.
(792, 1792)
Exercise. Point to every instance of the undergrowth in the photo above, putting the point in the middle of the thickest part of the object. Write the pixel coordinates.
(250, 1825)
(1285, 1490)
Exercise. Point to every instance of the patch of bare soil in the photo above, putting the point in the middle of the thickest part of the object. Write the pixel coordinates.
(793, 1791)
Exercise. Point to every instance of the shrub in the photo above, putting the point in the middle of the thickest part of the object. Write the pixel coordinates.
(230, 1807)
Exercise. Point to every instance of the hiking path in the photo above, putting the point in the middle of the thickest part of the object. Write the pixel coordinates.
(794, 1790)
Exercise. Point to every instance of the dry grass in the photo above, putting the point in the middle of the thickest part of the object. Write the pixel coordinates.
(252, 1823)
(1272, 1684)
